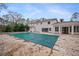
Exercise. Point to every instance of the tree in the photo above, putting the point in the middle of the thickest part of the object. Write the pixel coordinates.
(21, 27)
(27, 27)
(14, 16)
(8, 28)
(6, 17)
(75, 16)
(3, 6)
(15, 28)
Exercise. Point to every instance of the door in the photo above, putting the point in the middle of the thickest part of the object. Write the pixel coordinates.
(64, 30)
(44, 29)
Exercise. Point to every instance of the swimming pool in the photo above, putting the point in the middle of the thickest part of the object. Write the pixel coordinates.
(42, 39)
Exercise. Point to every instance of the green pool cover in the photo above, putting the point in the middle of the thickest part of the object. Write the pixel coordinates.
(42, 39)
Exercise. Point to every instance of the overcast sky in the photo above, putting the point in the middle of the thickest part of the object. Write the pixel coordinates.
(43, 10)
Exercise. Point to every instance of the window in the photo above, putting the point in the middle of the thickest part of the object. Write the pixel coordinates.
(57, 29)
(48, 22)
(76, 28)
(44, 29)
(41, 22)
(49, 29)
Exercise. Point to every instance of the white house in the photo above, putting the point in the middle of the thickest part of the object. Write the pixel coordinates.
(44, 25)
(67, 27)
(53, 26)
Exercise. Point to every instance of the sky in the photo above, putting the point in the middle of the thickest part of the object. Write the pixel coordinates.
(44, 10)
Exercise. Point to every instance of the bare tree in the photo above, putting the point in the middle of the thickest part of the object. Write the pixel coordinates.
(75, 16)
(6, 17)
(3, 6)
(11, 15)
(15, 16)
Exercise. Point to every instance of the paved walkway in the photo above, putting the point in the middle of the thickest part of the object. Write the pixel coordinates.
(67, 45)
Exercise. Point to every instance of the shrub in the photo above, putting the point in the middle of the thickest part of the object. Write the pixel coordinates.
(8, 28)
(21, 27)
(27, 27)
(16, 27)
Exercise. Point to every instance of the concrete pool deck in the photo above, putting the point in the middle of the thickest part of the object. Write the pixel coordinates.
(67, 45)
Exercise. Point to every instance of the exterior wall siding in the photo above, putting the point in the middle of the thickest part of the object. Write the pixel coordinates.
(66, 24)
(38, 26)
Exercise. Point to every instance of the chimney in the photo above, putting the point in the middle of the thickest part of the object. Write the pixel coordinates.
(43, 19)
(61, 20)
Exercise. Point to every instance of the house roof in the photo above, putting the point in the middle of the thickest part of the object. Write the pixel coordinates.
(45, 20)
(66, 23)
